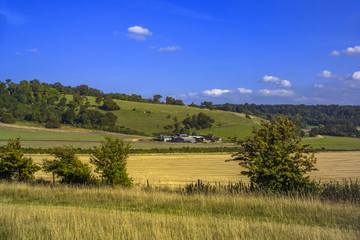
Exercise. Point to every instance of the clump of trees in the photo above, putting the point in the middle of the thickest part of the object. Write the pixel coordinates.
(14, 165)
(275, 159)
(196, 121)
(110, 160)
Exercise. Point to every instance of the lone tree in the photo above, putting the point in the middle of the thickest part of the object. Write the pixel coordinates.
(274, 157)
(68, 167)
(13, 164)
(110, 160)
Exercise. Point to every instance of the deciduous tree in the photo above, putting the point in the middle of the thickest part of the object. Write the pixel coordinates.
(14, 165)
(274, 157)
(110, 160)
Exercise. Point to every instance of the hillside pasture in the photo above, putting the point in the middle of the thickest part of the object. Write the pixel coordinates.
(151, 118)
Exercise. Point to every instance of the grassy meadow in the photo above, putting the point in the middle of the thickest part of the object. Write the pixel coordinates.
(134, 115)
(44, 212)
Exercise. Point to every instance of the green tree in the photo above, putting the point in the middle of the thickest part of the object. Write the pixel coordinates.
(13, 164)
(68, 167)
(274, 157)
(110, 160)
(156, 98)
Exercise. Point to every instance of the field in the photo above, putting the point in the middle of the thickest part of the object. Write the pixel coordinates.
(34, 136)
(43, 212)
(179, 169)
(133, 115)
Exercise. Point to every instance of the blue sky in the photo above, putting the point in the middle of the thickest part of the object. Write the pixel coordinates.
(268, 52)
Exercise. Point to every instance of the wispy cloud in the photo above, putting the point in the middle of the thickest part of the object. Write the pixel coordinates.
(244, 91)
(169, 49)
(216, 92)
(275, 93)
(334, 53)
(138, 33)
(277, 81)
(12, 17)
(31, 50)
(318, 85)
(180, 11)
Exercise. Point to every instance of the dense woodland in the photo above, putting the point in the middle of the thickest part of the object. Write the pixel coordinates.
(46, 103)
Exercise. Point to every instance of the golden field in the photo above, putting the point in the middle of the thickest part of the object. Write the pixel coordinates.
(178, 169)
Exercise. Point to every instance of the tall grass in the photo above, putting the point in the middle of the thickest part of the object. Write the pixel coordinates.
(65, 212)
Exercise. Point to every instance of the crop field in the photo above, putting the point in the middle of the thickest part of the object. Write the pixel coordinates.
(34, 136)
(179, 169)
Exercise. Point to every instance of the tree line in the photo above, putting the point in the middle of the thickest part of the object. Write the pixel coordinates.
(333, 120)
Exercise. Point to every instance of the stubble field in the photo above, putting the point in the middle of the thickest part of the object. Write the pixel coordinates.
(179, 169)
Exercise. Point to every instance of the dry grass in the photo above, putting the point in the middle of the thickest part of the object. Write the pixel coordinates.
(178, 169)
(40, 212)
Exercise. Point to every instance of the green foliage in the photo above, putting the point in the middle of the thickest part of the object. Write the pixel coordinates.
(109, 104)
(274, 157)
(52, 123)
(199, 121)
(68, 167)
(8, 118)
(110, 160)
(13, 164)
(313, 132)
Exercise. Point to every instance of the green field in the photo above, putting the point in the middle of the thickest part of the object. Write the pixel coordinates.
(38, 137)
(333, 143)
(44, 212)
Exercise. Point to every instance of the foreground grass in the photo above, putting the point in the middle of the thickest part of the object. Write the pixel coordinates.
(42, 212)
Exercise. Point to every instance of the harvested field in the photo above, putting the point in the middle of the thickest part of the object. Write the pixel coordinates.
(179, 169)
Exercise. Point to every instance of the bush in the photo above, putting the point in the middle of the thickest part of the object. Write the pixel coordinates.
(8, 118)
(68, 167)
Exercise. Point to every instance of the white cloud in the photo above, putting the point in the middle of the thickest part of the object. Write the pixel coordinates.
(169, 49)
(352, 50)
(116, 32)
(138, 33)
(18, 53)
(325, 74)
(356, 75)
(31, 50)
(272, 79)
(284, 83)
(334, 53)
(275, 93)
(318, 85)
(244, 90)
(276, 80)
(216, 92)
(139, 30)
